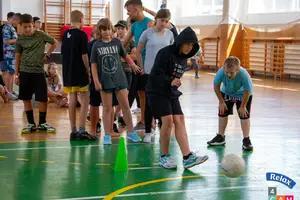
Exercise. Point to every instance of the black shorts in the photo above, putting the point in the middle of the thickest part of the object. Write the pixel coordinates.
(162, 106)
(230, 101)
(95, 98)
(33, 83)
(142, 82)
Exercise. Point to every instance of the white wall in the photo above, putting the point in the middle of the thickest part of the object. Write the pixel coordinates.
(36, 8)
(5, 8)
(272, 18)
(32, 7)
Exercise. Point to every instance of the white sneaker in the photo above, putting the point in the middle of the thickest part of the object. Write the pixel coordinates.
(167, 162)
(147, 138)
(11, 96)
(137, 110)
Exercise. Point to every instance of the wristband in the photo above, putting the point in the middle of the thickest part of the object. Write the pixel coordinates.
(131, 63)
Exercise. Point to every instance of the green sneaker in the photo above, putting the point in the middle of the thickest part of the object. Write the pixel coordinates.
(46, 127)
(29, 128)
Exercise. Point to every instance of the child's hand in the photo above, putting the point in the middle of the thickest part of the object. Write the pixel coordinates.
(135, 69)
(98, 86)
(45, 59)
(17, 80)
(58, 94)
(243, 112)
(176, 82)
(222, 107)
(90, 79)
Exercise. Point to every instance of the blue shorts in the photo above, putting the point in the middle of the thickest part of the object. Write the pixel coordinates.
(9, 65)
(3, 66)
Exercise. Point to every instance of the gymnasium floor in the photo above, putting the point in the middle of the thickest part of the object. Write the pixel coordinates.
(41, 166)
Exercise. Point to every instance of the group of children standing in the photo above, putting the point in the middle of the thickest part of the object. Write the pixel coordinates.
(101, 71)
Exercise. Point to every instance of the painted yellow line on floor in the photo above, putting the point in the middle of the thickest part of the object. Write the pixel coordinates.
(34, 141)
(114, 194)
(47, 161)
(102, 164)
(22, 159)
(75, 163)
(133, 164)
(3, 156)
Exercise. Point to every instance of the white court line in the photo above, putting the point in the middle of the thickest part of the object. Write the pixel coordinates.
(167, 192)
(137, 168)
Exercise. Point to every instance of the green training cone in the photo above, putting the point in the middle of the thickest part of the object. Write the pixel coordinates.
(121, 161)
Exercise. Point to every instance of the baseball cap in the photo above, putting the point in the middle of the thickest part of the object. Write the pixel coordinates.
(122, 23)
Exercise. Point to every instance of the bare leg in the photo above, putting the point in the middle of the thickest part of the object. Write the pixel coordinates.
(72, 109)
(118, 111)
(142, 105)
(2, 93)
(7, 80)
(222, 125)
(112, 121)
(181, 134)
(27, 105)
(107, 110)
(165, 133)
(94, 112)
(245, 123)
(84, 96)
(122, 96)
(43, 106)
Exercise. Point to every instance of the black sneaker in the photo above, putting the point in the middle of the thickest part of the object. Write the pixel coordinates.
(121, 122)
(82, 136)
(98, 128)
(115, 128)
(247, 146)
(217, 141)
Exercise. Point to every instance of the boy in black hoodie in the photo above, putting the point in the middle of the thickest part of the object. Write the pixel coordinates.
(163, 96)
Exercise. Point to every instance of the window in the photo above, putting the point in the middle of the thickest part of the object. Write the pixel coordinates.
(273, 6)
(201, 7)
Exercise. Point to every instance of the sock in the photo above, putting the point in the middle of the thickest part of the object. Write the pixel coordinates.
(187, 156)
(42, 117)
(29, 114)
(74, 129)
(81, 129)
(246, 137)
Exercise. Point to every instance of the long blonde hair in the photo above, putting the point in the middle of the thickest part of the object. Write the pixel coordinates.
(53, 80)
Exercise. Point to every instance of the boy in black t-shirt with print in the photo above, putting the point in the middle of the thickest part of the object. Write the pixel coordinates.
(76, 74)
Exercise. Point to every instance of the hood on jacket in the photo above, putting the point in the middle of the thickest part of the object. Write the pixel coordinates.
(187, 35)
